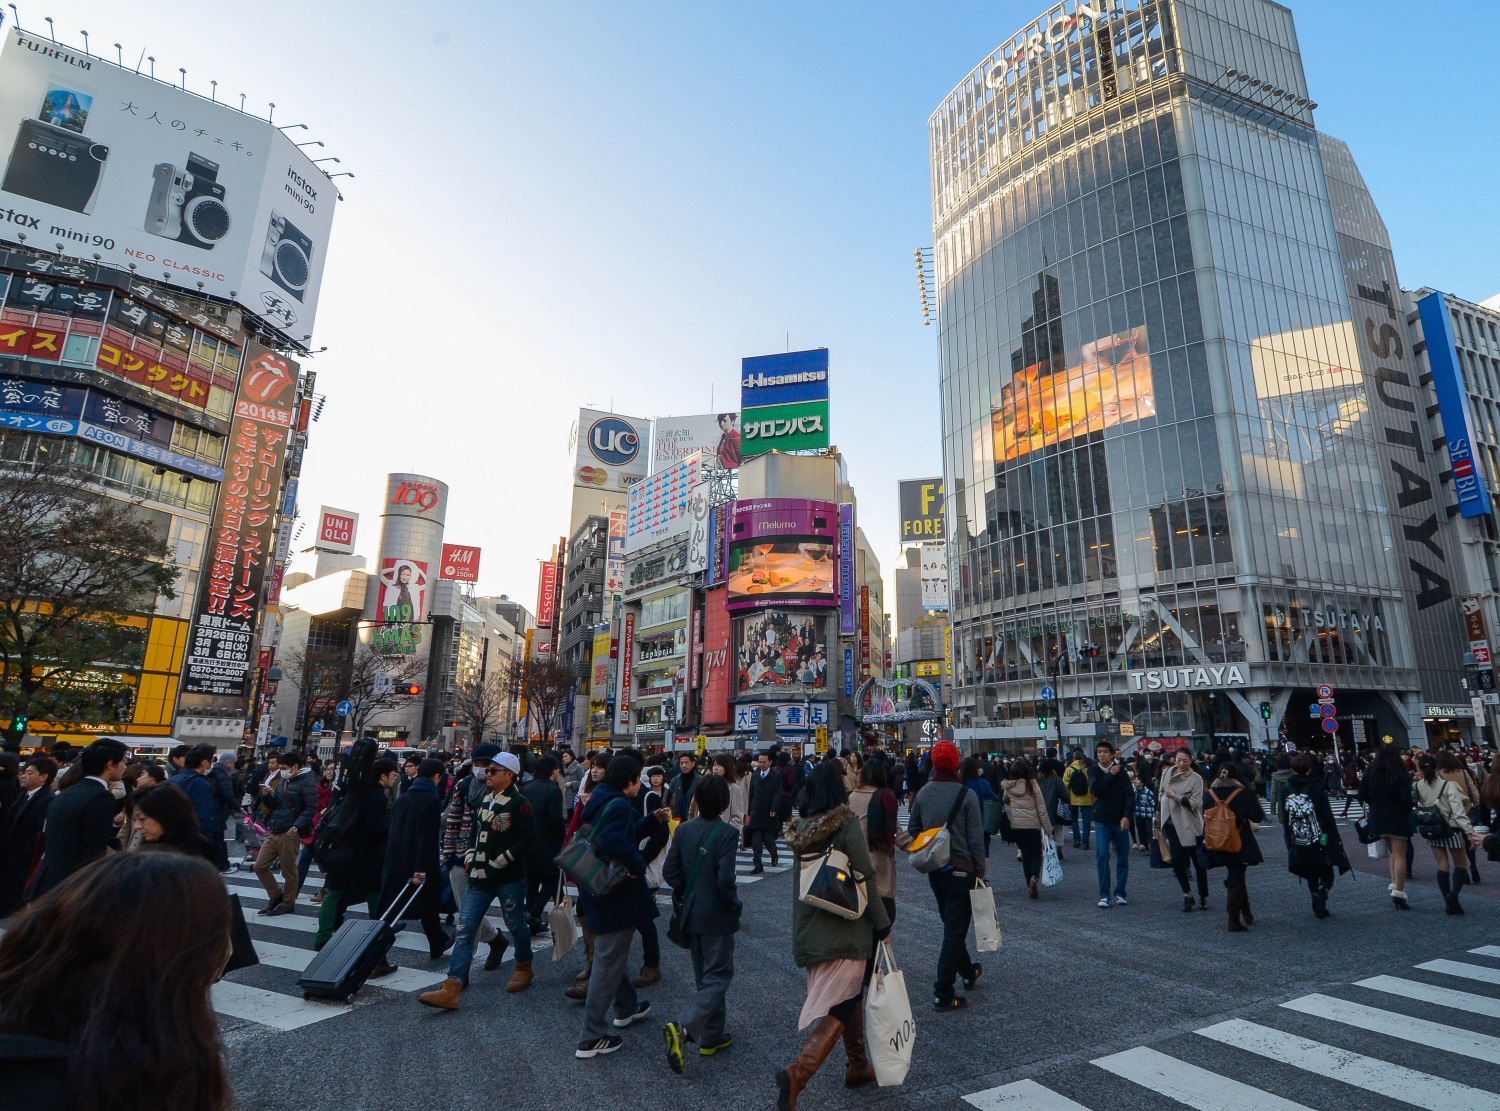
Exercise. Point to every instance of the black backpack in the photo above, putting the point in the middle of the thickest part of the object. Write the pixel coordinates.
(1078, 782)
(334, 844)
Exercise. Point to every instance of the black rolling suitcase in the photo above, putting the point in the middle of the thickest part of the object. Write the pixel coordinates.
(343, 965)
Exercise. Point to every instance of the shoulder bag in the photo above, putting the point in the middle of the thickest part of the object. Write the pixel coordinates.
(1428, 817)
(826, 881)
(677, 931)
(595, 875)
(931, 849)
(1221, 826)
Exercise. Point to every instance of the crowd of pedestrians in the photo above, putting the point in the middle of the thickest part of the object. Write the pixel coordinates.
(461, 836)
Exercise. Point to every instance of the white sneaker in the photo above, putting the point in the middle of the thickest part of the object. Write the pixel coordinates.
(1104, 904)
(1120, 901)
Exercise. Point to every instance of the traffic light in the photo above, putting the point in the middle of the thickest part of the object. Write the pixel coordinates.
(1041, 722)
(19, 723)
(1265, 711)
(411, 689)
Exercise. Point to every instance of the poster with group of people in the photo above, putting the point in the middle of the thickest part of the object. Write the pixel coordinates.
(782, 650)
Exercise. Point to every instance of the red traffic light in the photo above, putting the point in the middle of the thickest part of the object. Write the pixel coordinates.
(412, 689)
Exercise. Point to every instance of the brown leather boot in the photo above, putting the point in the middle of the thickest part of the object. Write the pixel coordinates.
(1245, 906)
(790, 1081)
(520, 979)
(445, 997)
(858, 1071)
(1233, 903)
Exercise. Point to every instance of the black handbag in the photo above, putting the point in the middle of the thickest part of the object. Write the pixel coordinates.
(1366, 835)
(677, 925)
(595, 875)
(242, 952)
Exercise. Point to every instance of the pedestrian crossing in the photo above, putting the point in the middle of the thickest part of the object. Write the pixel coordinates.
(285, 946)
(1373, 1011)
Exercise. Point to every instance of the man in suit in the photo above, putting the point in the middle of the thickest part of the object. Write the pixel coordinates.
(21, 831)
(767, 789)
(81, 821)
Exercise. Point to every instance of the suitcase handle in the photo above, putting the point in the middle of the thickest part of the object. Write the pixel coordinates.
(398, 902)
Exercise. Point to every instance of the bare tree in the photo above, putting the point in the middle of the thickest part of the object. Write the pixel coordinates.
(482, 702)
(321, 676)
(74, 565)
(380, 685)
(547, 684)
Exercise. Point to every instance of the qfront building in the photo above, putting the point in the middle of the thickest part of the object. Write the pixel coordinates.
(1186, 486)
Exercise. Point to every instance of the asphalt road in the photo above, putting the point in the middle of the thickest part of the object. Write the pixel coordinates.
(1136, 1007)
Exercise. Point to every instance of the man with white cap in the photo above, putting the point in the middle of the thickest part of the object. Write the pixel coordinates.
(458, 828)
(504, 829)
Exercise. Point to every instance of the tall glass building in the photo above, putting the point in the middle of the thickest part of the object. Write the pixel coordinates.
(1166, 445)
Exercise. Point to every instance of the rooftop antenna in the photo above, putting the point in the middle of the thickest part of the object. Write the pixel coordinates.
(139, 60)
(184, 78)
(242, 102)
(272, 112)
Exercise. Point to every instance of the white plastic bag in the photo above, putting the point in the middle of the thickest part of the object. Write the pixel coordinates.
(986, 926)
(1378, 849)
(890, 1029)
(1052, 872)
(561, 923)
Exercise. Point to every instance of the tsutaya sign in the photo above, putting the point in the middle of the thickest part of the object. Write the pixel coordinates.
(1187, 678)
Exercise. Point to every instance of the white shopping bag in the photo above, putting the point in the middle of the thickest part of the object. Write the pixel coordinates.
(986, 927)
(561, 924)
(889, 1028)
(1378, 850)
(1051, 866)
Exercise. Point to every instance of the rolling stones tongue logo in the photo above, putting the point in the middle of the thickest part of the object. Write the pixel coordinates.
(269, 377)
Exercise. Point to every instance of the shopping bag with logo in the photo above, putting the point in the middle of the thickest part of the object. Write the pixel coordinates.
(986, 925)
(561, 923)
(1051, 867)
(890, 1029)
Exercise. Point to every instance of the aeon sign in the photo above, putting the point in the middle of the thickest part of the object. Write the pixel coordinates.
(613, 442)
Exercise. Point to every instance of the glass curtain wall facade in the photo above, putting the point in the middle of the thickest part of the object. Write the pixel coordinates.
(1164, 494)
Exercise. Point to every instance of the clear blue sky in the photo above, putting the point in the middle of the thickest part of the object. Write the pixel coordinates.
(558, 204)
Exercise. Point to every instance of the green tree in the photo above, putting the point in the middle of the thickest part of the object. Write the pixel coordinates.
(74, 563)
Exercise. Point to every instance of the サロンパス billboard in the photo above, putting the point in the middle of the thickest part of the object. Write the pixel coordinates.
(784, 402)
(105, 163)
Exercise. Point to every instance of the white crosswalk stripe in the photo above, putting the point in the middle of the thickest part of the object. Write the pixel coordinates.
(1321, 1057)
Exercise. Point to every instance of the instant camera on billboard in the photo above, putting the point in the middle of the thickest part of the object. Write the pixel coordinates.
(611, 450)
(782, 651)
(781, 552)
(105, 163)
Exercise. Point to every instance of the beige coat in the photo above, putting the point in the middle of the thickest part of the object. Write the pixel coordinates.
(1449, 803)
(1185, 809)
(1025, 805)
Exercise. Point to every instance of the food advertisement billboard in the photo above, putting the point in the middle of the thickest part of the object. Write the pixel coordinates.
(781, 651)
(781, 552)
(1111, 385)
(108, 164)
(611, 450)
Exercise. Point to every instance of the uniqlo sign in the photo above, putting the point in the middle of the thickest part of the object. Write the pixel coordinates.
(336, 529)
(460, 563)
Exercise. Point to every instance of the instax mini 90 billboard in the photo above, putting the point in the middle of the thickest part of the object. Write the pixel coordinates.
(104, 164)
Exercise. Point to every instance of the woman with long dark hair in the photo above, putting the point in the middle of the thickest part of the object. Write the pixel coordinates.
(1386, 792)
(1179, 797)
(1314, 848)
(838, 953)
(104, 990)
(1230, 788)
(1440, 795)
(164, 818)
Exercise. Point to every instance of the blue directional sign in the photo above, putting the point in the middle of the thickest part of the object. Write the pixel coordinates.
(1048, 694)
(344, 708)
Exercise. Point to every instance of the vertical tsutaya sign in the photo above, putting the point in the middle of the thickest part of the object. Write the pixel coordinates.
(921, 509)
(846, 569)
(228, 602)
(864, 632)
(546, 595)
(784, 402)
(1453, 404)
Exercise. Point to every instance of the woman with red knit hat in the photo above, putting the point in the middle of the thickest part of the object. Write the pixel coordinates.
(945, 801)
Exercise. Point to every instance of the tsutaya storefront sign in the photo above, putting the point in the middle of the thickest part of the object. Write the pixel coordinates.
(1187, 678)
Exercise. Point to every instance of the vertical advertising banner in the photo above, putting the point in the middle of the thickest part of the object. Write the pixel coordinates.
(695, 652)
(228, 603)
(864, 632)
(935, 576)
(698, 530)
(846, 569)
(1453, 404)
(546, 595)
(614, 565)
(719, 670)
(848, 672)
(402, 607)
(1479, 641)
(627, 674)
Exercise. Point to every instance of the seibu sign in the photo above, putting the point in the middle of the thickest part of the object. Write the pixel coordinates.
(1187, 678)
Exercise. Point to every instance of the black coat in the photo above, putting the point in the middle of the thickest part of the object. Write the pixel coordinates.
(80, 828)
(33, 1073)
(1247, 809)
(546, 800)
(1312, 861)
(20, 842)
(765, 804)
(370, 834)
(412, 847)
(713, 906)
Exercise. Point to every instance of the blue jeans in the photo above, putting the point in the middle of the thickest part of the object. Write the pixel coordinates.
(1106, 835)
(476, 901)
(1082, 823)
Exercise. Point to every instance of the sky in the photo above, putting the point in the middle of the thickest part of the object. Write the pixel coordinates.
(609, 205)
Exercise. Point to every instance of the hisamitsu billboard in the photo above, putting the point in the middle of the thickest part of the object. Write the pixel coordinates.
(783, 379)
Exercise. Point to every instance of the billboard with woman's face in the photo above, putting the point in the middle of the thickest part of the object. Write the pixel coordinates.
(402, 606)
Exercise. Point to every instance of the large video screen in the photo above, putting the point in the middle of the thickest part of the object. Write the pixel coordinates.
(1111, 385)
(781, 571)
(782, 651)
